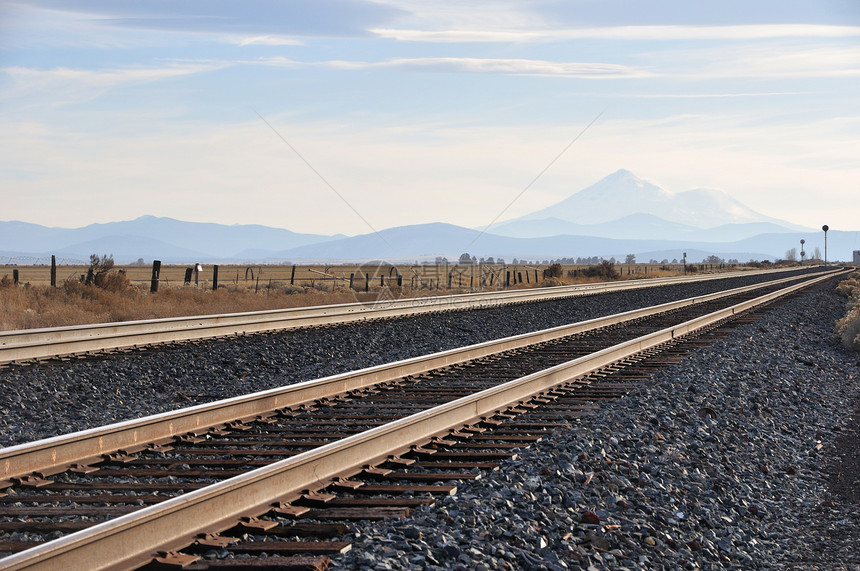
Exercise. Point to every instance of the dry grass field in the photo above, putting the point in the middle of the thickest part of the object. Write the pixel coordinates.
(321, 276)
(33, 303)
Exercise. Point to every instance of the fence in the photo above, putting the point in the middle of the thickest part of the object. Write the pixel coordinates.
(356, 277)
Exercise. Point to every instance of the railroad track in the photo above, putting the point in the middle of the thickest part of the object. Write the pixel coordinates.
(371, 436)
(27, 346)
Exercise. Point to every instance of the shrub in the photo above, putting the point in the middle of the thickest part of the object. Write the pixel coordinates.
(604, 269)
(554, 271)
(849, 287)
(102, 274)
(72, 286)
(114, 281)
(849, 326)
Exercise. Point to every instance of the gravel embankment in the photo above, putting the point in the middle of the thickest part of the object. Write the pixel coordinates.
(649, 484)
(46, 400)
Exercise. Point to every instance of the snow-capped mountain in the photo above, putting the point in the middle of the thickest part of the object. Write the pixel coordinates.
(623, 195)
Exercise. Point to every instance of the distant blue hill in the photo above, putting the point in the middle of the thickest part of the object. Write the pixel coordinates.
(151, 237)
(427, 241)
(637, 226)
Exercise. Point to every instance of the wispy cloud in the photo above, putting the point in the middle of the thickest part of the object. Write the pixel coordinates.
(251, 18)
(63, 85)
(278, 61)
(531, 34)
(703, 95)
(479, 65)
(107, 77)
(774, 60)
(268, 40)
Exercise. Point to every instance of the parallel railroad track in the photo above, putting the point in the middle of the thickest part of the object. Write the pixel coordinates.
(302, 452)
(27, 346)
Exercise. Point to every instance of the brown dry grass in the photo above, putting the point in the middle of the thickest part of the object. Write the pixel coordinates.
(35, 304)
(29, 307)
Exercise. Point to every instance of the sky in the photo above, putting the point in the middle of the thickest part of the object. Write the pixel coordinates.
(346, 116)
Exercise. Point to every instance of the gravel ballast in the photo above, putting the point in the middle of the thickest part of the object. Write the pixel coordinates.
(650, 483)
(50, 399)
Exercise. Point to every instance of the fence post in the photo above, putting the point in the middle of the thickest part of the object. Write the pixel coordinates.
(188, 272)
(293, 276)
(15, 277)
(53, 271)
(156, 272)
(215, 278)
(366, 282)
(507, 278)
(351, 279)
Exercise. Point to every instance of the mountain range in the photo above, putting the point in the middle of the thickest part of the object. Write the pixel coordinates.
(619, 215)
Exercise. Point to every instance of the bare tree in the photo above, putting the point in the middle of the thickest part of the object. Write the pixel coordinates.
(791, 255)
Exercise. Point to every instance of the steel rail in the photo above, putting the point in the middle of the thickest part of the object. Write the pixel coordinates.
(34, 344)
(56, 454)
(129, 540)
